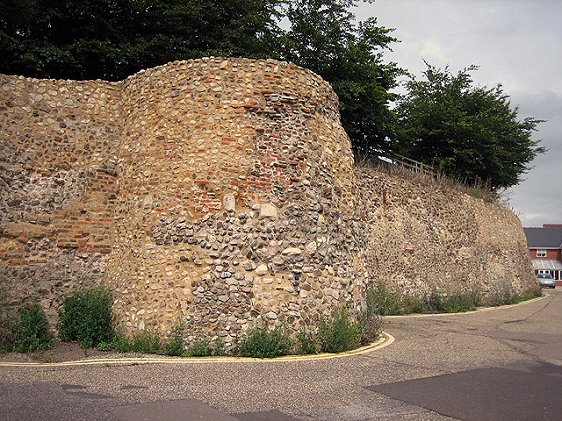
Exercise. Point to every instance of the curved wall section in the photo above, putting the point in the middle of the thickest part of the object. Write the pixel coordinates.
(236, 198)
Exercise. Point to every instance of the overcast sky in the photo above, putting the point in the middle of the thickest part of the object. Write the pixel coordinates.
(517, 43)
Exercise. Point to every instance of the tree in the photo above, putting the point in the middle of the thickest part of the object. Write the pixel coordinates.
(111, 39)
(472, 133)
(324, 37)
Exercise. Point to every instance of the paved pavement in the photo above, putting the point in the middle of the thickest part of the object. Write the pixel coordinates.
(499, 364)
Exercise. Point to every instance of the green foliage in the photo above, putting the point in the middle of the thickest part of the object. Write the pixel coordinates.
(411, 304)
(120, 342)
(324, 37)
(338, 333)
(500, 294)
(218, 347)
(174, 345)
(307, 342)
(201, 347)
(145, 342)
(370, 322)
(104, 346)
(383, 301)
(260, 342)
(31, 329)
(86, 317)
(471, 133)
(86, 39)
(460, 302)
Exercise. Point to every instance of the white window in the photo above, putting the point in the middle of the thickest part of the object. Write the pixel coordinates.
(541, 253)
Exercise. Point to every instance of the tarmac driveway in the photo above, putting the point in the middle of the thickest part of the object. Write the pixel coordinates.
(500, 364)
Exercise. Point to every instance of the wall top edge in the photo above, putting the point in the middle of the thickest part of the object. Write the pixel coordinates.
(177, 63)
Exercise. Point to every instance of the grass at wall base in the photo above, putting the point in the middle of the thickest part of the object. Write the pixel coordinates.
(86, 318)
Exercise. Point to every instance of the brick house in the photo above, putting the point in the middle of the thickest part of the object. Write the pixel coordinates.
(545, 248)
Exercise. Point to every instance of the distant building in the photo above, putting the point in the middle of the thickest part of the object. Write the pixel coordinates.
(545, 248)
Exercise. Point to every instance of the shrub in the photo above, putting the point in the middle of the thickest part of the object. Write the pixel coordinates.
(385, 302)
(201, 347)
(260, 342)
(500, 294)
(460, 302)
(86, 317)
(120, 342)
(433, 302)
(31, 329)
(411, 304)
(218, 347)
(174, 345)
(338, 333)
(370, 323)
(306, 342)
(145, 342)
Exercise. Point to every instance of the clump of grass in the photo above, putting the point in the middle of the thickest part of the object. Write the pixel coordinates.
(201, 347)
(370, 322)
(145, 342)
(339, 333)
(260, 342)
(411, 304)
(307, 342)
(31, 330)
(174, 346)
(86, 317)
(385, 302)
(120, 342)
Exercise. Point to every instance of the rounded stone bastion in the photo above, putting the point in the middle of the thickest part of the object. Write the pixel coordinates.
(235, 202)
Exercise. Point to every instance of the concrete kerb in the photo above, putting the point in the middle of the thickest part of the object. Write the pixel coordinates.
(385, 340)
(478, 310)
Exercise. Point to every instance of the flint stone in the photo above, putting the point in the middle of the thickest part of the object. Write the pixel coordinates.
(292, 251)
(267, 210)
(229, 202)
(261, 270)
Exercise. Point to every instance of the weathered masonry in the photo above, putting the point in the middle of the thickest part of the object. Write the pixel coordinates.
(219, 192)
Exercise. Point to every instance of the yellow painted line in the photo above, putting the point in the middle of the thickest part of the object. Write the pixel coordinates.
(385, 340)
(479, 310)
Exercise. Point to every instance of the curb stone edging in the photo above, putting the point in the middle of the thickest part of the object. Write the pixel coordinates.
(385, 340)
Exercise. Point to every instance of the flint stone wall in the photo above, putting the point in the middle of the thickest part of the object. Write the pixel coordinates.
(221, 192)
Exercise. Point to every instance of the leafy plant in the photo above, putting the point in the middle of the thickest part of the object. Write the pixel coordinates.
(120, 342)
(384, 302)
(339, 332)
(145, 342)
(32, 329)
(174, 345)
(201, 347)
(260, 342)
(307, 342)
(86, 317)
(411, 304)
(370, 323)
(218, 347)
(460, 302)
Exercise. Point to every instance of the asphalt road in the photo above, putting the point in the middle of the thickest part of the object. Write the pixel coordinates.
(499, 364)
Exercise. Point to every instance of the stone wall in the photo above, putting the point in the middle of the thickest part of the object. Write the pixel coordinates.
(424, 235)
(221, 192)
(58, 144)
